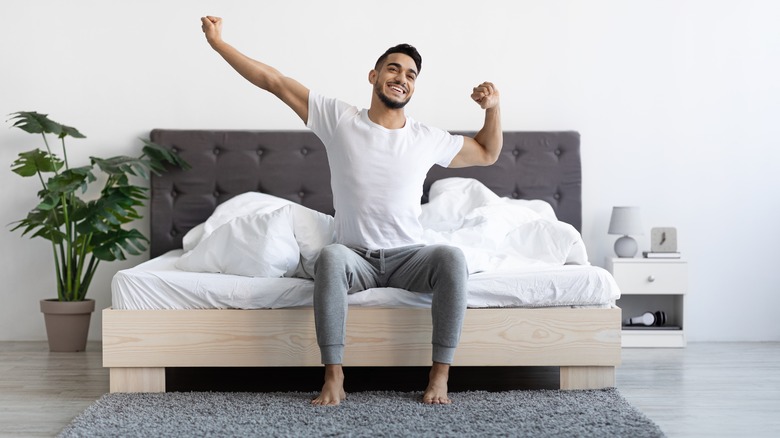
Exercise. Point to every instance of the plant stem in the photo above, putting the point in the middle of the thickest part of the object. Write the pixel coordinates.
(93, 264)
(64, 288)
(51, 156)
(68, 248)
(43, 183)
(65, 153)
(82, 256)
(57, 271)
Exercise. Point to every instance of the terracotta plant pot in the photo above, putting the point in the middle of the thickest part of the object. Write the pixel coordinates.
(67, 323)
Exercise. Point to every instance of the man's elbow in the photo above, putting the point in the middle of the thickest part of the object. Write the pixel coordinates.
(491, 156)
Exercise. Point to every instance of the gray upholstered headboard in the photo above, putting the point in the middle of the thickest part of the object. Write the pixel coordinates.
(293, 165)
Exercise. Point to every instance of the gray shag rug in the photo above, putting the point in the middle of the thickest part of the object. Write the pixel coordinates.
(537, 413)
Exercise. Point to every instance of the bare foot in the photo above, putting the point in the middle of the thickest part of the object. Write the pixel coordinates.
(436, 392)
(333, 389)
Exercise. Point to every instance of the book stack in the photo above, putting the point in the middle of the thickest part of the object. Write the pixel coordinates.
(661, 255)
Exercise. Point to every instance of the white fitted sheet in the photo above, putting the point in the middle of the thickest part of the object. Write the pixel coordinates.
(158, 284)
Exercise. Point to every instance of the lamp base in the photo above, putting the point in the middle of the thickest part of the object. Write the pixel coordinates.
(625, 247)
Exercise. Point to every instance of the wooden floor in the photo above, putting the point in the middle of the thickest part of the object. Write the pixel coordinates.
(706, 389)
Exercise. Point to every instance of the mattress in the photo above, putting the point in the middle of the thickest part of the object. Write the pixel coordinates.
(158, 284)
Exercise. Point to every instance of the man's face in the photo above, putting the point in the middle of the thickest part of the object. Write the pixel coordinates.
(394, 81)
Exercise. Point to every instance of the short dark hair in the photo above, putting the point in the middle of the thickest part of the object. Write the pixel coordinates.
(406, 49)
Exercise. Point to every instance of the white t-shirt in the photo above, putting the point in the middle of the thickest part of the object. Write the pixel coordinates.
(377, 174)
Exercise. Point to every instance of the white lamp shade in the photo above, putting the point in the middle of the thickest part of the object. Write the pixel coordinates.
(625, 221)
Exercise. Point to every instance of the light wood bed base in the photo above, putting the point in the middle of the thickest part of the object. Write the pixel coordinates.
(138, 345)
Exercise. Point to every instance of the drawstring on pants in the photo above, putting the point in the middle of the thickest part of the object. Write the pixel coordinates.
(381, 259)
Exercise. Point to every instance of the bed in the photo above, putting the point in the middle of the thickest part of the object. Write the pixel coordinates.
(141, 340)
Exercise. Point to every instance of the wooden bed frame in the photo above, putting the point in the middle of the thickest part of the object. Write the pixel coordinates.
(138, 345)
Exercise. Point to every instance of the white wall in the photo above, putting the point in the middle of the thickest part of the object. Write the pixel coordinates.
(677, 102)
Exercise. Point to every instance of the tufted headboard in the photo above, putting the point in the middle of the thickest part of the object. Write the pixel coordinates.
(293, 165)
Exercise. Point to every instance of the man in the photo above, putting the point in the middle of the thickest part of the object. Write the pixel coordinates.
(379, 158)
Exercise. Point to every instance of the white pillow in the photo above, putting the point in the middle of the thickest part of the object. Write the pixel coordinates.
(541, 207)
(239, 205)
(450, 200)
(253, 245)
(544, 241)
(313, 231)
(193, 238)
(498, 233)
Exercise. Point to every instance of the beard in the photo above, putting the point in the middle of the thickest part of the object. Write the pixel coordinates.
(386, 100)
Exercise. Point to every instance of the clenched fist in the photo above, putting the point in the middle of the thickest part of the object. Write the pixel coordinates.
(486, 95)
(212, 27)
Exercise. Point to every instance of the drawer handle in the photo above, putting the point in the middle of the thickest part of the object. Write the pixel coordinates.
(650, 279)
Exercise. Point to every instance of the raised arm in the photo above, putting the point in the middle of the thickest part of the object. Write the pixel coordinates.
(290, 91)
(485, 147)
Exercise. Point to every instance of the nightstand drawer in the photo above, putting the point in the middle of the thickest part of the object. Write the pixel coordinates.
(651, 278)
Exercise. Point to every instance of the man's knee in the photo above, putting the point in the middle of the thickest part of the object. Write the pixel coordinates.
(333, 256)
(448, 257)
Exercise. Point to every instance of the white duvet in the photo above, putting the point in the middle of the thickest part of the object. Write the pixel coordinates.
(259, 235)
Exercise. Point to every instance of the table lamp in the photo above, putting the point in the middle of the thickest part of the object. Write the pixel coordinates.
(625, 221)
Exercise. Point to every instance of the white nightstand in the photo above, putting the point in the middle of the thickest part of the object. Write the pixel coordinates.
(650, 285)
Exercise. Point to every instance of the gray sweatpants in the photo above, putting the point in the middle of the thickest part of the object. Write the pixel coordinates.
(341, 270)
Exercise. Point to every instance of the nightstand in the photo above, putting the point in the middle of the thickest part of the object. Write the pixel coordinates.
(650, 285)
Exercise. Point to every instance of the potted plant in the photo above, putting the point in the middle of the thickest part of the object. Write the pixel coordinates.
(82, 231)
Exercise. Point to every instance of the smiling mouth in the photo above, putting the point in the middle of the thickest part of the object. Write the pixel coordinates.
(397, 89)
